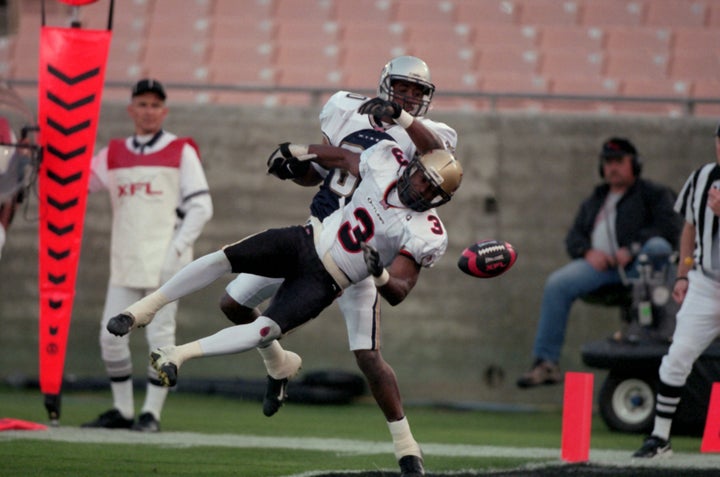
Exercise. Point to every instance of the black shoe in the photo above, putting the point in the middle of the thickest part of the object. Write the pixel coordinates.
(111, 419)
(543, 372)
(121, 324)
(411, 466)
(653, 447)
(275, 395)
(146, 423)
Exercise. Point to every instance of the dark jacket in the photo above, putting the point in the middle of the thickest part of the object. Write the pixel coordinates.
(645, 211)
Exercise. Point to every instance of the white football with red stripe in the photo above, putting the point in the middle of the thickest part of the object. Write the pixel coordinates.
(487, 258)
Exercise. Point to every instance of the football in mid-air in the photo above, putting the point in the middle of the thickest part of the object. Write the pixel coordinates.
(487, 258)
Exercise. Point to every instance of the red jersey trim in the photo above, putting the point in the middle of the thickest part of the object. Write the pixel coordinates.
(119, 156)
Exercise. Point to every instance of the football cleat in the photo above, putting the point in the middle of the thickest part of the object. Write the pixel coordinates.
(111, 419)
(121, 324)
(276, 390)
(411, 466)
(146, 423)
(165, 364)
(654, 447)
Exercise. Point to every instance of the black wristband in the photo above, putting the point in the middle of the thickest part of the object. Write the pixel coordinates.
(677, 279)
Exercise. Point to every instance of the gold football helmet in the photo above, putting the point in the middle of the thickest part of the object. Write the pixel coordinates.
(441, 170)
(412, 70)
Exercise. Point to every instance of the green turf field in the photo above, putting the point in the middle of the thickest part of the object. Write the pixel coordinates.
(221, 436)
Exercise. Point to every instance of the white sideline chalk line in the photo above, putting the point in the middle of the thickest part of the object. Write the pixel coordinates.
(348, 446)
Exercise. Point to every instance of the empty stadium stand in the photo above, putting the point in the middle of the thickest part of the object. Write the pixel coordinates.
(610, 48)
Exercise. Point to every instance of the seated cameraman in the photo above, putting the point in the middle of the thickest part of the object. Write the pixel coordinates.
(624, 217)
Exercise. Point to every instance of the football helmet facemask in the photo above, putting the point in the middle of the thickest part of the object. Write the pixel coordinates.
(412, 70)
(441, 170)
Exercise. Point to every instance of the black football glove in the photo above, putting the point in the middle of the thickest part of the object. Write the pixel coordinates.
(372, 259)
(283, 165)
(380, 108)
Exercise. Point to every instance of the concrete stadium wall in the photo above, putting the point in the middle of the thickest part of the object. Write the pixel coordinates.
(455, 338)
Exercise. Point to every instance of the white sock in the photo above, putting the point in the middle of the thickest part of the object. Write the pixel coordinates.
(662, 427)
(239, 338)
(155, 400)
(196, 275)
(122, 392)
(403, 440)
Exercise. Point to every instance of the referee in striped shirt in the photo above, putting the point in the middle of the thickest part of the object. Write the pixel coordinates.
(697, 288)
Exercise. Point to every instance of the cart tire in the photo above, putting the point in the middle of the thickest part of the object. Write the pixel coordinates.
(627, 403)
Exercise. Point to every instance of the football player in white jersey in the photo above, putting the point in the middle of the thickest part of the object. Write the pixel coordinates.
(354, 122)
(388, 231)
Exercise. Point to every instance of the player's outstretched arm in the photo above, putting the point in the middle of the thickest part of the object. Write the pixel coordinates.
(393, 284)
(425, 139)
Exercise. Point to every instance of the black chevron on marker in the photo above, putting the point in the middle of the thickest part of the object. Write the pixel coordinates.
(67, 131)
(56, 279)
(62, 205)
(72, 79)
(63, 180)
(60, 230)
(73, 105)
(65, 155)
(55, 304)
(58, 255)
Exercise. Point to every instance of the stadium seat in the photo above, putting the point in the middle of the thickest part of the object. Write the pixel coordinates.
(647, 87)
(257, 10)
(687, 39)
(294, 32)
(372, 33)
(177, 60)
(425, 11)
(582, 86)
(239, 63)
(571, 36)
(245, 30)
(293, 10)
(695, 64)
(300, 58)
(508, 60)
(632, 64)
(650, 39)
(549, 12)
(706, 89)
(443, 57)
(617, 13)
(516, 83)
(487, 12)
(441, 34)
(364, 11)
(362, 63)
(125, 60)
(572, 61)
(674, 13)
(509, 36)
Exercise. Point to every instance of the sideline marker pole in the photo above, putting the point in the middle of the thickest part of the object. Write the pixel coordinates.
(711, 435)
(577, 417)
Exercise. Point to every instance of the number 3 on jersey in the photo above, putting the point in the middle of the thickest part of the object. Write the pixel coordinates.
(350, 236)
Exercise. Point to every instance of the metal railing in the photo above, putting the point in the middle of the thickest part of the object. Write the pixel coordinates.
(688, 105)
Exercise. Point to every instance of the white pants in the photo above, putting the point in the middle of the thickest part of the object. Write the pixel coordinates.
(698, 324)
(359, 305)
(160, 332)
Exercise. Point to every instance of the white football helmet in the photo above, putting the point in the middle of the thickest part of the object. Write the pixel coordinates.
(410, 69)
(441, 170)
